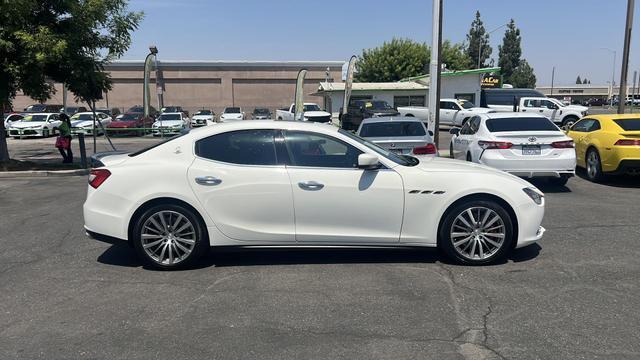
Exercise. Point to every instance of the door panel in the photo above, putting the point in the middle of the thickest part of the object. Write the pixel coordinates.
(347, 205)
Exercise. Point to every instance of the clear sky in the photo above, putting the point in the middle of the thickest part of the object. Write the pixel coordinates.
(567, 34)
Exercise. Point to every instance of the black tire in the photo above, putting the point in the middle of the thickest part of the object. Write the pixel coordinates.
(559, 181)
(45, 133)
(200, 236)
(451, 150)
(568, 121)
(594, 169)
(469, 157)
(445, 242)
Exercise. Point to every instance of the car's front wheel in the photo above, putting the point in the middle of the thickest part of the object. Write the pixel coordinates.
(169, 237)
(476, 232)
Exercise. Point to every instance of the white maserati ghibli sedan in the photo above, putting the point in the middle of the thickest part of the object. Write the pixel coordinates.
(523, 144)
(288, 184)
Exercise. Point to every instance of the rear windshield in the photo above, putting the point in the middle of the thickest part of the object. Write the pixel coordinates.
(520, 124)
(395, 129)
(628, 124)
(141, 151)
(169, 117)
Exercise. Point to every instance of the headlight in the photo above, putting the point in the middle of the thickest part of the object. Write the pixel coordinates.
(534, 195)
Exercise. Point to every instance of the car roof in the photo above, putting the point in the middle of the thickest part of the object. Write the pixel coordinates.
(381, 119)
(507, 115)
(326, 128)
(613, 116)
(40, 113)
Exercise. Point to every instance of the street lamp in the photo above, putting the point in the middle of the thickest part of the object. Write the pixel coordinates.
(613, 72)
(480, 43)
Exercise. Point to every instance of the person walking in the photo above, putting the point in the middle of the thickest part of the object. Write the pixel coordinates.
(63, 142)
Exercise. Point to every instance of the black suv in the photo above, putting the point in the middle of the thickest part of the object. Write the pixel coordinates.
(362, 109)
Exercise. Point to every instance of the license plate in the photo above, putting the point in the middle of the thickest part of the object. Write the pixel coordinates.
(531, 150)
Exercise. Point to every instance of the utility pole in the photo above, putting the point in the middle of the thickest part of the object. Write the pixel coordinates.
(633, 90)
(553, 74)
(434, 71)
(625, 57)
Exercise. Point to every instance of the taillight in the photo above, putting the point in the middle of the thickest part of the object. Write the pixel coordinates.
(563, 144)
(425, 150)
(628, 142)
(495, 145)
(98, 176)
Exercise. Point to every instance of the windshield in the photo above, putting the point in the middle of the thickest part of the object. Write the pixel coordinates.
(169, 117)
(82, 117)
(393, 129)
(311, 107)
(557, 102)
(377, 105)
(35, 118)
(465, 104)
(35, 108)
(136, 109)
(129, 117)
(232, 110)
(204, 112)
(263, 111)
(521, 124)
(403, 160)
(171, 109)
(628, 124)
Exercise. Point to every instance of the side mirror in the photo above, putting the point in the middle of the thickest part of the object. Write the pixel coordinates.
(368, 162)
(430, 133)
(454, 131)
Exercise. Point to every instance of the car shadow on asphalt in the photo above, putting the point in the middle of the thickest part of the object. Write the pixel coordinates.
(550, 188)
(121, 254)
(621, 181)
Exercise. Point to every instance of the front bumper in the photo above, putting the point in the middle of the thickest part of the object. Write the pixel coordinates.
(530, 228)
(165, 131)
(26, 132)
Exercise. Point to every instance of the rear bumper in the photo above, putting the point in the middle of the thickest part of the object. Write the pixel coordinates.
(629, 166)
(558, 165)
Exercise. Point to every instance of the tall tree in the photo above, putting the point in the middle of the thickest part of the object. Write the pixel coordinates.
(509, 52)
(578, 80)
(478, 43)
(62, 41)
(455, 57)
(585, 81)
(523, 76)
(394, 60)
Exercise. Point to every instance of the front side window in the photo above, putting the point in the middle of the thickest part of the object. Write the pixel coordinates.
(318, 150)
(245, 147)
(466, 129)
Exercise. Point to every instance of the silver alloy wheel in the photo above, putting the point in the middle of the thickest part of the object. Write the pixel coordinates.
(592, 164)
(477, 233)
(168, 237)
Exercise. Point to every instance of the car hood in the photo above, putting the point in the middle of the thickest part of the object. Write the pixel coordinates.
(83, 123)
(480, 110)
(440, 164)
(316, 114)
(388, 112)
(26, 124)
(168, 123)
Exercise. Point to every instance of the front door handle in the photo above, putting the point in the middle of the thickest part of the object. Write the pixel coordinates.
(310, 185)
(208, 180)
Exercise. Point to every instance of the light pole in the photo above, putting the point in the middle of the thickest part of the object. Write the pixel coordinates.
(480, 42)
(153, 50)
(622, 94)
(613, 72)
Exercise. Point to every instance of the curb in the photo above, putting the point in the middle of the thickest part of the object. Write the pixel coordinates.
(43, 173)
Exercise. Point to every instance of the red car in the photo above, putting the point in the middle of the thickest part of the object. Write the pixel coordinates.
(135, 121)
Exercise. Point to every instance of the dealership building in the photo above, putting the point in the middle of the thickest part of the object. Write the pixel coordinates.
(248, 84)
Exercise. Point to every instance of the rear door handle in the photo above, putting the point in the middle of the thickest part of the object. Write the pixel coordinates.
(208, 180)
(310, 185)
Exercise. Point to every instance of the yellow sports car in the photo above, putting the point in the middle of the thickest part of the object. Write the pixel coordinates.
(607, 144)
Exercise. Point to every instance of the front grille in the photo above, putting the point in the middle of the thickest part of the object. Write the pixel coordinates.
(320, 119)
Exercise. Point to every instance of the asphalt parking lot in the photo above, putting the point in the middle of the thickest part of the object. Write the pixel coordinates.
(575, 295)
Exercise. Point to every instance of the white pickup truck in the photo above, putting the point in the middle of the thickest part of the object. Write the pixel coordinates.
(553, 109)
(312, 112)
(454, 112)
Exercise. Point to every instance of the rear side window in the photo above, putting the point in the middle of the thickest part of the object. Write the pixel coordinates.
(628, 124)
(396, 128)
(520, 124)
(245, 147)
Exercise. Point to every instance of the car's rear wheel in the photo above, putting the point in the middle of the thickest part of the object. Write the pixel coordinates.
(45, 133)
(594, 166)
(169, 237)
(451, 151)
(476, 232)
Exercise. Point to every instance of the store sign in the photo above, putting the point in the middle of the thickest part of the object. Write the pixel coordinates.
(490, 80)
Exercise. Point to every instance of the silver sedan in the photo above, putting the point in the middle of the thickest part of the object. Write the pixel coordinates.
(400, 134)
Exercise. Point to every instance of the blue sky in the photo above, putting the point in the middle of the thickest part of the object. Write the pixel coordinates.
(567, 34)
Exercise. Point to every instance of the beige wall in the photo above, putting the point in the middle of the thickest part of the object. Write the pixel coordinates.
(210, 85)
